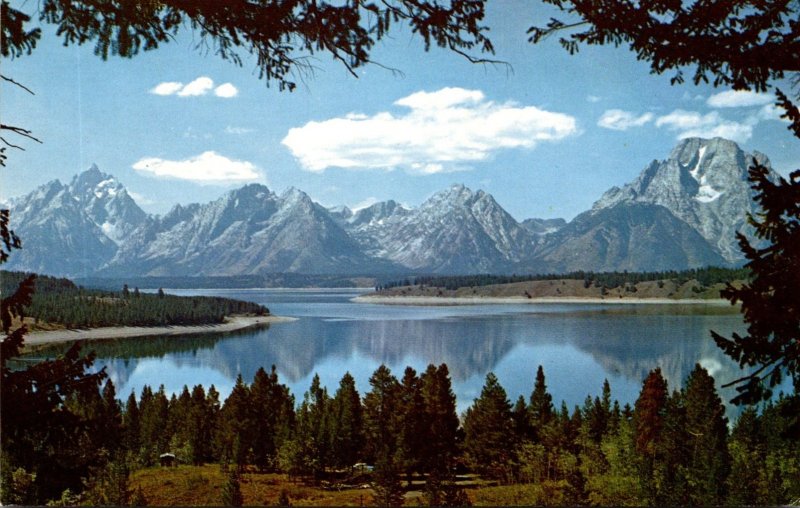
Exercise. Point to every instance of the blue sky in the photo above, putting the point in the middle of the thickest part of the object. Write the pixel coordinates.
(546, 139)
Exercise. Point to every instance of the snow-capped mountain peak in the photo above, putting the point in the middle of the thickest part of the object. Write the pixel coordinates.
(679, 212)
(703, 183)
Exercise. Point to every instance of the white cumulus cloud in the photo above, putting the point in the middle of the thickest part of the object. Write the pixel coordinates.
(619, 120)
(167, 88)
(437, 132)
(208, 167)
(226, 91)
(691, 124)
(739, 99)
(200, 86)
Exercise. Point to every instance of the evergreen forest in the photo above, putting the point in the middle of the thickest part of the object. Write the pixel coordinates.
(672, 447)
(59, 301)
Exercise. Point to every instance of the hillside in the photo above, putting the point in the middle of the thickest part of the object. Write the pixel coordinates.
(565, 288)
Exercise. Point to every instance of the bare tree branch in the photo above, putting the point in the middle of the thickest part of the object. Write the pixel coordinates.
(21, 132)
(6, 78)
(11, 145)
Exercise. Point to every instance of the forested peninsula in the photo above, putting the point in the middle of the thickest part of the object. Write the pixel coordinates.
(62, 311)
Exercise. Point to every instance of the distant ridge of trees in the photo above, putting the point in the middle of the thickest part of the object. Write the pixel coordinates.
(61, 301)
(706, 276)
(270, 280)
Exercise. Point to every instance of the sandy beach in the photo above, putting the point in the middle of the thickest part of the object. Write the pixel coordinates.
(122, 332)
(487, 300)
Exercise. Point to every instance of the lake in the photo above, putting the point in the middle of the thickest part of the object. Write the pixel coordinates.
(579, 345)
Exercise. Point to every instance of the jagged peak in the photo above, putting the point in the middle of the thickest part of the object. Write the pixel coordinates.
(90, 178)
(254, 190)
(52, 184)
(689, 149)
(378, 211)
(456, 192)
(44, 191)
(294, 196)
(292, 191)
(458, 188)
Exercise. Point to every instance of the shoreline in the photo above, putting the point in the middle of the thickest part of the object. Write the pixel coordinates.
(231, 324)
(442, 301)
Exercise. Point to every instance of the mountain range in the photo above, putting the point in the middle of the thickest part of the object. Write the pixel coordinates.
(681, 212)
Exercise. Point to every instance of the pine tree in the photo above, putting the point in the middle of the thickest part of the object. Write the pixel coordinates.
(648, 423)
(440, 412)
(380, 415)
(131, 425)
(235, 425)
(178, 424)
(488, 430)
(211, 413)
(112, 418)
(264, 415)
(412, 424)
(649, 410)
(311, 447)
(346, 424)
(769, 299)
(671, 455)
(320, 421)
(520, 417)
(199, 424)
(154, 414)
(707, 433)
(747, 458)
(541, 405)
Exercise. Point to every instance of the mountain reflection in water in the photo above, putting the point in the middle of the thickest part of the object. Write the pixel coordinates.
(578, 344)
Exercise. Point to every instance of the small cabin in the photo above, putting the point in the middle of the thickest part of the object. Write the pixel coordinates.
(168, 460)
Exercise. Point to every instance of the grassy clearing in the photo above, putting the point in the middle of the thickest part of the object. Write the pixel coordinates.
(548, 493)
(202, 486)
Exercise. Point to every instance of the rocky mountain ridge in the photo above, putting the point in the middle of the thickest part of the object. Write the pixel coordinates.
(681, 212)
(704, 184)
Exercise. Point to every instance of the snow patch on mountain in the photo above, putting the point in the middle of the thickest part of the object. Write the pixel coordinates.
(695, 172)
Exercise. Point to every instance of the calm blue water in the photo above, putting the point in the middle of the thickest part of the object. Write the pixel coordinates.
(578, 345)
